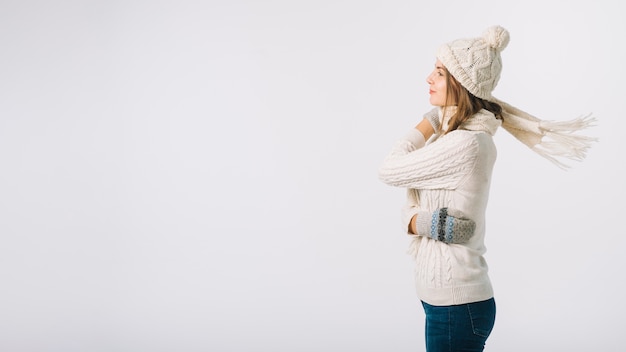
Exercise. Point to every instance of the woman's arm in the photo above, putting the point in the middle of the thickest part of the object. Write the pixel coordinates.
(441, 164)
(429, 124)
(444, 224)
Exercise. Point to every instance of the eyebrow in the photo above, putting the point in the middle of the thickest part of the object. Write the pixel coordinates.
(439, 67)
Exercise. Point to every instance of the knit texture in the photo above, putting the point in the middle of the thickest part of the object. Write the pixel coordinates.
(556, 141)
(476, 62)
(454, 171)
(445, 225)
(450, 229)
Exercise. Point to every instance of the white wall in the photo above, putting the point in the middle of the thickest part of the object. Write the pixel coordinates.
(202, 176)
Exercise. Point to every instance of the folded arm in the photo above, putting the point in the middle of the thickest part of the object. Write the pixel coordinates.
(444, 224)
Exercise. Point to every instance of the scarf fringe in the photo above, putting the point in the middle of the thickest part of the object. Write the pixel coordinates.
(552, 140)
(569, 126)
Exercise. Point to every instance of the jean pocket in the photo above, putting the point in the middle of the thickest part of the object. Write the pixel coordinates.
(482, 316)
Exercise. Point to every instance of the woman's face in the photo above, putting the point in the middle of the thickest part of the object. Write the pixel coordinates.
(437, 84)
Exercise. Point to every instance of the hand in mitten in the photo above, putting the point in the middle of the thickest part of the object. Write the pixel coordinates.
(445, 225)
(433, 117)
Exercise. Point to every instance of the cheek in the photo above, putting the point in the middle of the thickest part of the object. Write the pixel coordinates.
(442, 89)
(441, 85)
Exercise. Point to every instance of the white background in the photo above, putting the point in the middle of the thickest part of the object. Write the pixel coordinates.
(202, 176)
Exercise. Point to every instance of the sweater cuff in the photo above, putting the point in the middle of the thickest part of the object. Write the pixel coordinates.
(416, 138)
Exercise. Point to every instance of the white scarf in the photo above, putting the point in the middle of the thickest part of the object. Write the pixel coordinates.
(552, 140)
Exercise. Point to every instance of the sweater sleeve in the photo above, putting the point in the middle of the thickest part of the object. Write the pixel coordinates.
(442, 164)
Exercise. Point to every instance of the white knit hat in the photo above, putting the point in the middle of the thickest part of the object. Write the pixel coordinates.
(476, 62)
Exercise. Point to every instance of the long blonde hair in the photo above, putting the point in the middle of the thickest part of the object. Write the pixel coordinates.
(466, 103)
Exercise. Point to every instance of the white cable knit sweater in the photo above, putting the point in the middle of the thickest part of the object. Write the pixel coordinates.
(451, 170)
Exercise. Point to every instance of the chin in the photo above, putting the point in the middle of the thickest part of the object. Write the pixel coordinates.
(435, 102)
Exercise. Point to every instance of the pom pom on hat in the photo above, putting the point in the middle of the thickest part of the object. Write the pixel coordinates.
(476, 62)
(496, 37)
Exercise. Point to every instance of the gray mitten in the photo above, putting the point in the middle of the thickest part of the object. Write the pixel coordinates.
(433, 117)
(445, 225)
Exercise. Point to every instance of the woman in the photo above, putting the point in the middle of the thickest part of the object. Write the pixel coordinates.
(446, 163)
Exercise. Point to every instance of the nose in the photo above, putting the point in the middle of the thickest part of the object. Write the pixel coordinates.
(429, 79)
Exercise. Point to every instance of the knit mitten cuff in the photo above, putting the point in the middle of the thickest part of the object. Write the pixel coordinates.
(433, 117)
(445, 225)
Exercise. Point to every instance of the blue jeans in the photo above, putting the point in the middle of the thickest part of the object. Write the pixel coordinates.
(463, 327)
